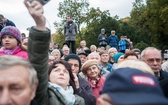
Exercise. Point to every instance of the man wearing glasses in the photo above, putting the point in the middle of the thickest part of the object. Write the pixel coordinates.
(152, 56)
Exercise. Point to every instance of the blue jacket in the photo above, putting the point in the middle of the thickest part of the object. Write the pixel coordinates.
(122, 45)
(113, 41)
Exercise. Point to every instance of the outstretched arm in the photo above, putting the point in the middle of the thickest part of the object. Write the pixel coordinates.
(38, 45)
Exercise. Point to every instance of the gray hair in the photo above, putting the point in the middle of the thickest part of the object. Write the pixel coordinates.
(148, 48)
(7, 61)
(55, 51)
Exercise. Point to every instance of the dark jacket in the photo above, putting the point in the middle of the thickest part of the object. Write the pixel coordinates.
(7, 23)
(70, 31)
(85, 91)
(163, 81)
(102, 39)
(38, 46)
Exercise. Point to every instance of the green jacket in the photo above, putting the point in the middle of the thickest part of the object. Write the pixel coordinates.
(38, 45)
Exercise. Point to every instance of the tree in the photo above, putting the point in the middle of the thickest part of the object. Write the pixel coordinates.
(75, 8)
(95, 21)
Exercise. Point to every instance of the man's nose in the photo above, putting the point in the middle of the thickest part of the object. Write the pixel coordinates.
(5, 98)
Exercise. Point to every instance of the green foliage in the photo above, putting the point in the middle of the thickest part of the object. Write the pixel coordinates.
(96, 20)
(150, 21)
(141, 45)
(77, 9)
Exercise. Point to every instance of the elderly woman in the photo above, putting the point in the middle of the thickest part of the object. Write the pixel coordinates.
(92, 70)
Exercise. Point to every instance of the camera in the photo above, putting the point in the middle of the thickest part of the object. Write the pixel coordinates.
(43, 2)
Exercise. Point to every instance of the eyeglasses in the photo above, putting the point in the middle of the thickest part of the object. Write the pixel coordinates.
(151, 60)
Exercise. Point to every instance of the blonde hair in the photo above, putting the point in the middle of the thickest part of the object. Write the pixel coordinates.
(140, 65)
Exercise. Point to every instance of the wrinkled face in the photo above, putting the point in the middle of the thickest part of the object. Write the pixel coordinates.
(56, 55)
(93, 72)
(112, 52)
(83, 58)
(92, 49)
(60, 76)
(104, 58)
(95, 57)
(15, 87)
(66, 51)
(153, 59)
(9, 42)
(74, 65)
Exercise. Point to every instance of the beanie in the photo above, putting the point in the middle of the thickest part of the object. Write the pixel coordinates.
(11, 30)
(116, 56)
(87, 64)
(73, 56)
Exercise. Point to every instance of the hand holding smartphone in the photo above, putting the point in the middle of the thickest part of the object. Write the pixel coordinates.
(43, 2)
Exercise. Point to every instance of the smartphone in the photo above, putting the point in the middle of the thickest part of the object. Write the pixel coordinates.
(43, 2)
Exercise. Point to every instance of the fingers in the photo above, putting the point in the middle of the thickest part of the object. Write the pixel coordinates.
(76, 80)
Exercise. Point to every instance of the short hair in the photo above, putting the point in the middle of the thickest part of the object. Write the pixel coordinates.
(55, 51)
(131, 53)
(94, 46)
(93, 53)
(7, 61)
(148, 48)
(136, 65)
(103, 52)
(112, 31)
(112, 48)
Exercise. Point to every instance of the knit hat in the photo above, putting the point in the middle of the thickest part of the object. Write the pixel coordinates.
(73, 56)
(11, 30)
(116, 56)
(133, 87)
(87, 64)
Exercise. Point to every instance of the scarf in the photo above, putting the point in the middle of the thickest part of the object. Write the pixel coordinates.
(10, 52)
(67, 94)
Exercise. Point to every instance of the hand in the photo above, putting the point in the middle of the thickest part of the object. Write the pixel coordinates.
(36, 11)
(76, 81)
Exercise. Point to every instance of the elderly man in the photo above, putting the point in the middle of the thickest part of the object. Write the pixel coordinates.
(18, 81)
(152, 57)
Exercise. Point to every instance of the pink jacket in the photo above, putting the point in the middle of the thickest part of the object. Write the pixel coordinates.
(18, 52)
(96, 89)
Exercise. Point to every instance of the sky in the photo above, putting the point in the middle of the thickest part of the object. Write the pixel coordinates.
(16, 11)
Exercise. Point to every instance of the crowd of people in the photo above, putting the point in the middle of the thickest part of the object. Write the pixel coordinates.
(33, 71)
